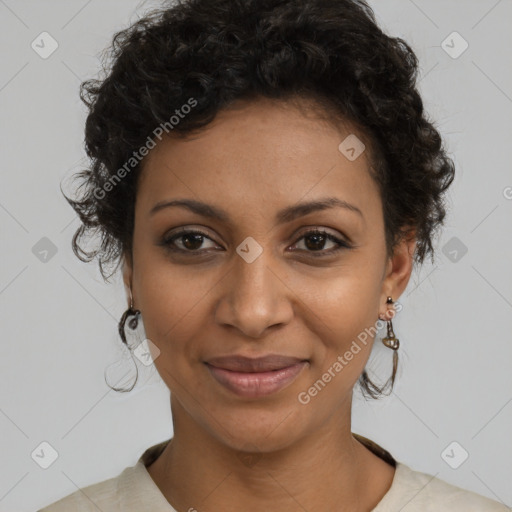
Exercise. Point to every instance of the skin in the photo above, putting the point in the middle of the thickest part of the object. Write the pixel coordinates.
(254, 159)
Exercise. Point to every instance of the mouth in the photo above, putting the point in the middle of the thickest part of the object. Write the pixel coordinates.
(255, 377)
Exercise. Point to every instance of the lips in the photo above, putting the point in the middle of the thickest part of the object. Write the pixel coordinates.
(244, 364)
(254, 378)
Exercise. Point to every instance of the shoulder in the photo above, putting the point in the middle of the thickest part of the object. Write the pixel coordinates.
(107, 496)
(132, 490)
(415, 491)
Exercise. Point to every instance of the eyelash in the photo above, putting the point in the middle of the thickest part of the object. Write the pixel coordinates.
(168, 242)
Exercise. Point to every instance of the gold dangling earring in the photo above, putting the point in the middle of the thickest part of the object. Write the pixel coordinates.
(390, 341)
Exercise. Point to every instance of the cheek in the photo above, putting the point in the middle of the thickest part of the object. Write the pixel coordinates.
(343, 318)
(173, 304)
(345, 305)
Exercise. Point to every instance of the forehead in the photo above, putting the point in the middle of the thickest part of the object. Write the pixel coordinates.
(260, 154)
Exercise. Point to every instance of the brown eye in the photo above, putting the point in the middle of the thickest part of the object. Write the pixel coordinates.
(316, 240)
(192, 242)
(188, 241)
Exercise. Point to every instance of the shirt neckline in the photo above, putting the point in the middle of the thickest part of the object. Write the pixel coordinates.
(153, 452)
(131, 480)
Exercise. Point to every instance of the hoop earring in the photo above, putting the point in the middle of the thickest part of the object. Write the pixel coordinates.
(132, 323)
(390, 341)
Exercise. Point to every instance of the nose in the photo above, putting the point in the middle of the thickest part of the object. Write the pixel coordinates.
(254, 297)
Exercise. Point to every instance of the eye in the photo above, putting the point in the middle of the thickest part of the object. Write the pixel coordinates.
(190, 240)
(316, 240)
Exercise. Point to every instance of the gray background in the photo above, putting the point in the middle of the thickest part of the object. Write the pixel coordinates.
(59, 318)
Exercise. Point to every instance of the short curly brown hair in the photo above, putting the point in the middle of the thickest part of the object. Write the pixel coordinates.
(218, 51)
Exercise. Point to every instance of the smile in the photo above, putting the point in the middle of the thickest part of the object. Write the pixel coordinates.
(256, 384)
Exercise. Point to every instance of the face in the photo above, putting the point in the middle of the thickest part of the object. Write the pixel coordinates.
(268, 275)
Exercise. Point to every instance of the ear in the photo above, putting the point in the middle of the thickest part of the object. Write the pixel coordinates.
(399, 268)
(127, 267)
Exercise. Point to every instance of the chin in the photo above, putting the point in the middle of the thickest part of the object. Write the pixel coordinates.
(259, 429)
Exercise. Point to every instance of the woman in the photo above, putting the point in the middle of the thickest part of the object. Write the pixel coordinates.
(264, 172)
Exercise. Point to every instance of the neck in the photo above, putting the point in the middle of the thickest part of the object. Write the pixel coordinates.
(327, 470)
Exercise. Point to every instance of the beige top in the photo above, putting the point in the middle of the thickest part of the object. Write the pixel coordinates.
(133, 490)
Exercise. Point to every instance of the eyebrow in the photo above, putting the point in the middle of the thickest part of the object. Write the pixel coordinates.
(285, 215)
